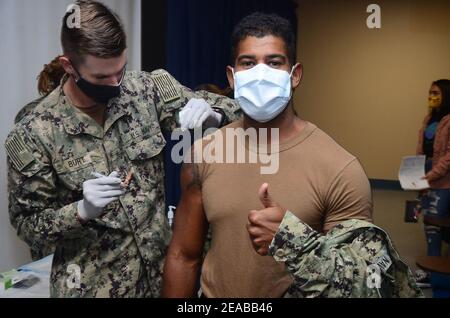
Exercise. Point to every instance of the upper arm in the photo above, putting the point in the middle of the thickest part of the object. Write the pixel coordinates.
(31, 186)
(349, 197)
(227, 106)
(191, 225)
(30, 176)
(170, 97)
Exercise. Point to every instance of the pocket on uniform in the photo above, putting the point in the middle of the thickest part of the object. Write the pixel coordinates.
(74, 179)
(74, 171)
(145, 159)
(146, 148)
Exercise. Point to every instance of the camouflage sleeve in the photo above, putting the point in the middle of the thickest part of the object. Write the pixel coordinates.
(354, 259)
(226, 106)
(170, 97)
(32, 191)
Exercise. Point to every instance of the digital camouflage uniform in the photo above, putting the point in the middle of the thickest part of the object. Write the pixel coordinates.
(354, 259)
(57, 147)
(48, 249)
(27, 109)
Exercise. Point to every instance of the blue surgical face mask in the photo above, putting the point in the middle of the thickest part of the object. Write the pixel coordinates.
(262, 92)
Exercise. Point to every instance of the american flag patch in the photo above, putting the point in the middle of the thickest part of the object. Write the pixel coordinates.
(166, 88)
(18, 153)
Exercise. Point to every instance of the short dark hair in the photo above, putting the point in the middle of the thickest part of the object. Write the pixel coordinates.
(444, 86)
(260, 24)
(100, 34)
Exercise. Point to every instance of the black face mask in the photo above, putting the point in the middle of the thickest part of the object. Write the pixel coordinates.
(99, 93)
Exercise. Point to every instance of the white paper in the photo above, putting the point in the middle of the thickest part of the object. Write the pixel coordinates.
(412, 170)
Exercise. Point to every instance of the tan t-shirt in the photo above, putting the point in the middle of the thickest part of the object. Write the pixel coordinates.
(317, 180)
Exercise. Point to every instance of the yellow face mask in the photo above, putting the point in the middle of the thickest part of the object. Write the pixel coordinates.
(434, 102)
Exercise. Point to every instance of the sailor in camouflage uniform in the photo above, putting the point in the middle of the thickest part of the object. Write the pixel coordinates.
(53, 154)
(58, 148)
(327, 246)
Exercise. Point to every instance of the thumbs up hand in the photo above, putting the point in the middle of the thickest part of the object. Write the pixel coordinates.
(263, 224)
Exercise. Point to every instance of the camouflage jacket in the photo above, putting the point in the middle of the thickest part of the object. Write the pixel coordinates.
(55, 148)
(27, 109)
(354, 259)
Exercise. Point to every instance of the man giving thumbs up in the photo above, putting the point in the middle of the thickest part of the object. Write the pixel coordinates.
(321, 184)
(264, 223)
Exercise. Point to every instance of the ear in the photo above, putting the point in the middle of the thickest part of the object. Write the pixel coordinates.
(297, 75)
(230, 76)
(67, 65)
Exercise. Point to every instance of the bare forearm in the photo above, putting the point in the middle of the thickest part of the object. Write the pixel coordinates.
(186, 249)
(180, 277)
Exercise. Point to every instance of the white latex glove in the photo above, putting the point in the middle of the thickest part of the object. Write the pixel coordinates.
(196, 112)
(98, 193)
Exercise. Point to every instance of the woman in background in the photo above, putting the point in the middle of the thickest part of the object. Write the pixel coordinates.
(434, 143)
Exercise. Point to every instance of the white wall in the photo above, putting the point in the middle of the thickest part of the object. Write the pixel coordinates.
(30, 39)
